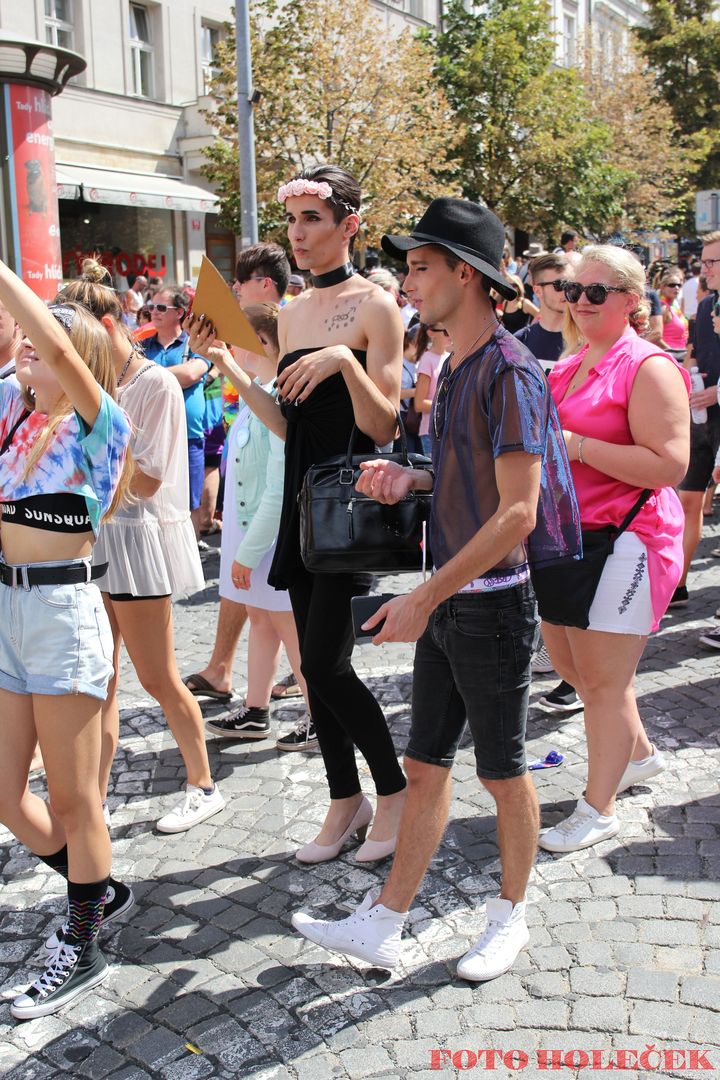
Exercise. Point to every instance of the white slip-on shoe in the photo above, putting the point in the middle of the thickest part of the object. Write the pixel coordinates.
(505, 935)
(582, 829)
(639, 771)
(372, 933)
(195, 807)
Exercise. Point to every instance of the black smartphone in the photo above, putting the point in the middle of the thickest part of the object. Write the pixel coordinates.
(363, 607)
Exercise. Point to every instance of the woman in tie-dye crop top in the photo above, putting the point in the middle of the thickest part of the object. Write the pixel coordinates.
(63, 443)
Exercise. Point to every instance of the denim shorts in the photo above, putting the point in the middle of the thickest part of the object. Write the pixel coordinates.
(473, 663)
(55, 639)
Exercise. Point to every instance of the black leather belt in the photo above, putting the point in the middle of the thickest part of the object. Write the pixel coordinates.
(28, 575)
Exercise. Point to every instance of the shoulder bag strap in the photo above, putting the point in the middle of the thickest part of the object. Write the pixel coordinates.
(643, 498)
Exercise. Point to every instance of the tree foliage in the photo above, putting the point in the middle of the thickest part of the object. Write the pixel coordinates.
(656, 162)
(681, 43)
(531, 148)
(336, 86)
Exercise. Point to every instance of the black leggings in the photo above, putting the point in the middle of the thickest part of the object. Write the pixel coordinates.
(345, 713)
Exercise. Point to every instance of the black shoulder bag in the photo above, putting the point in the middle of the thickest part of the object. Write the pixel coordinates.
(342, 531)
(566, 589)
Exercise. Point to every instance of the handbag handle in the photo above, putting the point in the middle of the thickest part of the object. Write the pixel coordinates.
(403, 443)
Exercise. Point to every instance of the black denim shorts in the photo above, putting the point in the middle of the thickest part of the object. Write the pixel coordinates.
(474, 663)
(704, 444)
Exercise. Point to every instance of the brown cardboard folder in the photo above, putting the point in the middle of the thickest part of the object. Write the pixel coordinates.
(216, 301)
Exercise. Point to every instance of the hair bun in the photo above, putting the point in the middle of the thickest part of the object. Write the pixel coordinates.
(93, 270)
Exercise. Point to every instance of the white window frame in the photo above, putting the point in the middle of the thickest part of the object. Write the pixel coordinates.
(56, 25)
(208, 67)
(417, 8)
(569, 40)
(138, 48)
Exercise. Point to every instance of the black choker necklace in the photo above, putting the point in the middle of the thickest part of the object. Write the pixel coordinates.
(333, 277)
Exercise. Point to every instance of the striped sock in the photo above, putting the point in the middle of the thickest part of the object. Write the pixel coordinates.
(86, 903)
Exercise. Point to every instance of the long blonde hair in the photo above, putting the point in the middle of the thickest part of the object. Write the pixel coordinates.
(626, 271)
(92, 342)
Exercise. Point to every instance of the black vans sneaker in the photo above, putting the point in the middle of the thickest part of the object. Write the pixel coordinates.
(71, 971)
(301, 737)
(247, 722)
(119, 898)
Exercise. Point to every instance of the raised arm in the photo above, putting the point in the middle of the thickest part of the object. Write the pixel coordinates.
(53, 344)
(264, 405)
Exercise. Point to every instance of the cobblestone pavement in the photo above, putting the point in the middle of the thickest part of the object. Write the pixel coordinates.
(625, 937)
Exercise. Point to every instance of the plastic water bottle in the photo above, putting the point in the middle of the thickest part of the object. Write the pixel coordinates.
(699, 416)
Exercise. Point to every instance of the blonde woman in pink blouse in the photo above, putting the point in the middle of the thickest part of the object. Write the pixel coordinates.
(624, 409)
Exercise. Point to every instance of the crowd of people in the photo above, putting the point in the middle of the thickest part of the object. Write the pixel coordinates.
(554, 399)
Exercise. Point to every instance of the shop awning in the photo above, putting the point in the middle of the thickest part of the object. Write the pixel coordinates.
(132, 189)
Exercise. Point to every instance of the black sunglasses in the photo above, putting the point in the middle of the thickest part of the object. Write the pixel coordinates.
(596, 293)
(162, 308)
(558, 284)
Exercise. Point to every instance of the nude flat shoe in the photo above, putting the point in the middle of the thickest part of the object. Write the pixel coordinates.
(316, 853)
(374, 850)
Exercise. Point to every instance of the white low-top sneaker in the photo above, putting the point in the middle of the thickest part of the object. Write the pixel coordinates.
(497, 949)
(195, 807)
(372, 933)
(638, 771)
(582, 829)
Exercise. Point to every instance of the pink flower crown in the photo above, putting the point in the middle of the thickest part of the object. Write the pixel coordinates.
(321, 188)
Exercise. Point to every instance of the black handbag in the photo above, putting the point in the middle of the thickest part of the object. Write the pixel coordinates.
(342, 531)
(566, 589)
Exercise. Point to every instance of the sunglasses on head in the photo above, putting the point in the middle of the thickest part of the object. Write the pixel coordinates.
(63, 314)
(596, 293)
(162, 308)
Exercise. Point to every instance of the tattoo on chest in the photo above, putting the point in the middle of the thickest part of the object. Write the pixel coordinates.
(340, 318)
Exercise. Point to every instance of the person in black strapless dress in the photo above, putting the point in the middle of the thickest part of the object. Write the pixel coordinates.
(341, 364)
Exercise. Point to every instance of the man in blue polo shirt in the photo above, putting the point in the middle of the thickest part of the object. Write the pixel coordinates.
(169, 347)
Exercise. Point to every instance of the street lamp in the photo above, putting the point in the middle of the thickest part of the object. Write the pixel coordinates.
(247, 97)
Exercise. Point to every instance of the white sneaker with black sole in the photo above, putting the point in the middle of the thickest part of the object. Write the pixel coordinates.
(71, 970)
(119, 898)
(637, 772)
(197, 806)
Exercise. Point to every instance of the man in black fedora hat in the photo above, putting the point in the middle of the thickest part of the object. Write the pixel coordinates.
(501, 495)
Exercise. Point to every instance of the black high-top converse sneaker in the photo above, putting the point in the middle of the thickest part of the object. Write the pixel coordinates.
(118, 899)
(71, 971)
